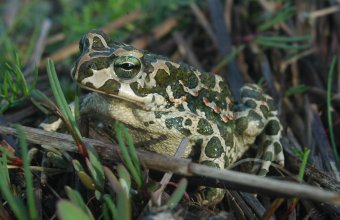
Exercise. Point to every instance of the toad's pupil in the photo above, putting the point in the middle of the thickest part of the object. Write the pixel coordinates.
(126, 66)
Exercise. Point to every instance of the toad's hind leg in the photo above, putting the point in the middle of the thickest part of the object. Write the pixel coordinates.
(262, 122)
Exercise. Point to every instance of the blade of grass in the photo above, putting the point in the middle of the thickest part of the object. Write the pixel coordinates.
(41, 100)
(76, 103)
(124, 178)
(278, 18)
(65, 110)
(111, 206)
(67, 210)
(5, 156)
(274, 44)
(329, 111)
(224, 62)
(286, 39)
(302, 169)
(35, 77)
(33, 40)
(13, 87)
(96, 173)
(132, 150)
(126, 157)
(5, 86)
(19, 75)
(16, 205)
(177, 195)
(296, 90)
(31, 203)
(76, 198)
(123, 202)
(87, 181)
(59, 96)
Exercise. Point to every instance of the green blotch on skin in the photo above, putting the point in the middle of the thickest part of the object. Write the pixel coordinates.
(189, 80)
(140, 92)
(252, 94)
(226, 161)
(162, 78)
(160, 114)
(98, 63)
(250, 104)
(253, 116)
(271, 104)
(209, 163)
(266, 144)
(181, 108)
(214, 148)
(277, 148)
(241, 125)
(188, 122)
(208, 80)
(177, 124)
(229, 140)
(203, 127)
(110, 87)
(264, 110)
(268, 156)
(173, 122)
(272, 128)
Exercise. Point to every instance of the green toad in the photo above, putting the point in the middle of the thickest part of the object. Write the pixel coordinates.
(161, 102)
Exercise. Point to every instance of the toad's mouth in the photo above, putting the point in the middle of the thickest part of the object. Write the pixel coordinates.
(149, 102)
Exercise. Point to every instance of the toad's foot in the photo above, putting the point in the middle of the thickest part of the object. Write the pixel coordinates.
(258, 117)
(208, 196)
(270, 147)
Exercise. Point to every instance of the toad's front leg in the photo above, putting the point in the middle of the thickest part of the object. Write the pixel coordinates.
(217, 150)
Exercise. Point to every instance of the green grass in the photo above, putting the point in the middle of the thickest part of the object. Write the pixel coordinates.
(294, 90)
(9, 192)
(329, 110)
(30, 195)
(78, 20)
(14, 202)
(14, 88)
(277, 17)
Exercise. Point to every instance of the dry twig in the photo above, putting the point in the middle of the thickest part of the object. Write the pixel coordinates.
(183, 167)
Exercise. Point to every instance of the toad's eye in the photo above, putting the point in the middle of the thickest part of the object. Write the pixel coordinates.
(127, 67)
